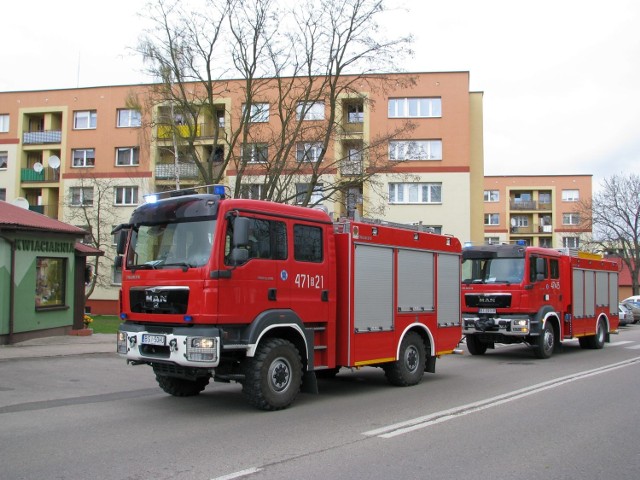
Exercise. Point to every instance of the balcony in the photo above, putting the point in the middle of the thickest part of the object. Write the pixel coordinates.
(167, 171)
(351, 168)
(529, 205)
(532, 229)
(28, 175)
(43, 137)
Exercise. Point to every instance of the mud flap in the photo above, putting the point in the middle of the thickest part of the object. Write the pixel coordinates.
(430, 364)
(309, 383)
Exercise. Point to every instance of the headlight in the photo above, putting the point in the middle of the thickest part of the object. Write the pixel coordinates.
(122, 342)
(202, 349)
(520, 326)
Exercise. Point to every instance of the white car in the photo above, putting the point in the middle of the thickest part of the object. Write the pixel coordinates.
(625, 315)
(634, 298)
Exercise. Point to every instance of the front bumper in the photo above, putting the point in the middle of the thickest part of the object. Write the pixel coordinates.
(188, 347)
(516, 325)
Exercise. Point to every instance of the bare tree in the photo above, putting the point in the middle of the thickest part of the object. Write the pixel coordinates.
(292, 59)
(90, 205)
(615, 215)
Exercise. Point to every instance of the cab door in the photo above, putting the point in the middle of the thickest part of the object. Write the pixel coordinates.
(256, 285)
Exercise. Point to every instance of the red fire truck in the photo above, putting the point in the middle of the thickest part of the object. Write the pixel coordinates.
(538, 296)
(269, 295)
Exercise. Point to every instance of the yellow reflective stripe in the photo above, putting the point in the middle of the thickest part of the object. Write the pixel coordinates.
(377, 360)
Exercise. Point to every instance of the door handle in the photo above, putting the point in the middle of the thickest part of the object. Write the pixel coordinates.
(271, 294)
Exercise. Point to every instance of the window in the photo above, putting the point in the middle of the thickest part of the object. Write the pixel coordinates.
(355, 113)
(544, 198)
(308, 152)
(129, 118)
(533, 272)
(251, 190)
(126, 195)
(220, 117)
(307, 243)
(554, 267)
(570, 195)
(267, 240)
(81, 196)
(492, 195)
(85, 119)
(492, 240)
(520, 221)
(4, 159)
(415, 150)
(51, 280)
(3, 194)
(310, 111)
(492, 219)
(407, 193)
(571, 242)
(4, 123)
(415, 107)
(255, 152)
(127, 156)
(303, 188)
(84, 157)
(259, 112)
(570, 219)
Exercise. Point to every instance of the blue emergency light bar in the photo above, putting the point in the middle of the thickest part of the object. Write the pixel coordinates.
(219, 190)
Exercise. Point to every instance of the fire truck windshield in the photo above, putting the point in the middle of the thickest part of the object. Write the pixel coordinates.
(493, 270)
(171, 245)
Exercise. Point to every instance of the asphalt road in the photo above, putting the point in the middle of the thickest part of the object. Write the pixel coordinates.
(505, 415)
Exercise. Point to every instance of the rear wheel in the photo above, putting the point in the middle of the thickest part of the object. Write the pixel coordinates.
(545, 342)
(475, 346)
(273, 376)
(180, 387)
(409, 368)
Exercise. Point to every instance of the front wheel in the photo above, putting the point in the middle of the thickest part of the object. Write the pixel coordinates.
(475, 346)
(273, 376)
(179, 387)
(545, 342)
(595, 341)
(409, 368)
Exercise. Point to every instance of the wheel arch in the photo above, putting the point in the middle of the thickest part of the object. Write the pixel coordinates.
(422, 330)
(549, 315)
(280, 324)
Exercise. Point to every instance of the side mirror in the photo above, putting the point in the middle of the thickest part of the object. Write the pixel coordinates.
(239, 256)
(241, 232)
(122, 241)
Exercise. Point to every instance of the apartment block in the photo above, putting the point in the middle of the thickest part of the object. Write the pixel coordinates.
(88, 156)
(539, 210)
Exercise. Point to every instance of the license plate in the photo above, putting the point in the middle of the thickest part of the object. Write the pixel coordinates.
(149, 339)
(486, 310)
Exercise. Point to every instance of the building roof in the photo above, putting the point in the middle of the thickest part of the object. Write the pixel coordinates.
(17, 218)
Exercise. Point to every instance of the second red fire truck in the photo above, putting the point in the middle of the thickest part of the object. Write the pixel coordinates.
(538, 296)
(268, 295)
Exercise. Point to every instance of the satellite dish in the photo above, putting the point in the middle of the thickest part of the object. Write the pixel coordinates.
(54, 162)
(513, 222)
(21, 202)
(38, 167)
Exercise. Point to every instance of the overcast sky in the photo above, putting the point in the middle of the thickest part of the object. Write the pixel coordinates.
(561, 78)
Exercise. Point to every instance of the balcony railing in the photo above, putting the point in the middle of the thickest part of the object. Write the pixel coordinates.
(351, 167)
(46, 175)
(39, 138)
(167, 171)
(529, 205)
(529, 229)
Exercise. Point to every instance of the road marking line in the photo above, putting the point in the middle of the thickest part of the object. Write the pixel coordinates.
(241, 473)
(623, 342)
(634, 347)
(407, 426)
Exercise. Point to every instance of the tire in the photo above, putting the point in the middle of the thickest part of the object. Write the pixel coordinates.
(409, 368)
(475, 346)
(600, 336)
(180, 387)
(595, 342)
(545, 342)
(273, 376)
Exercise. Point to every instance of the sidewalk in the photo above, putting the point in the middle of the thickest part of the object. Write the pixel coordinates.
(60, 345)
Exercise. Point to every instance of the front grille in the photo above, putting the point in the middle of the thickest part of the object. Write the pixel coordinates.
(159, 300)
(489, 300)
